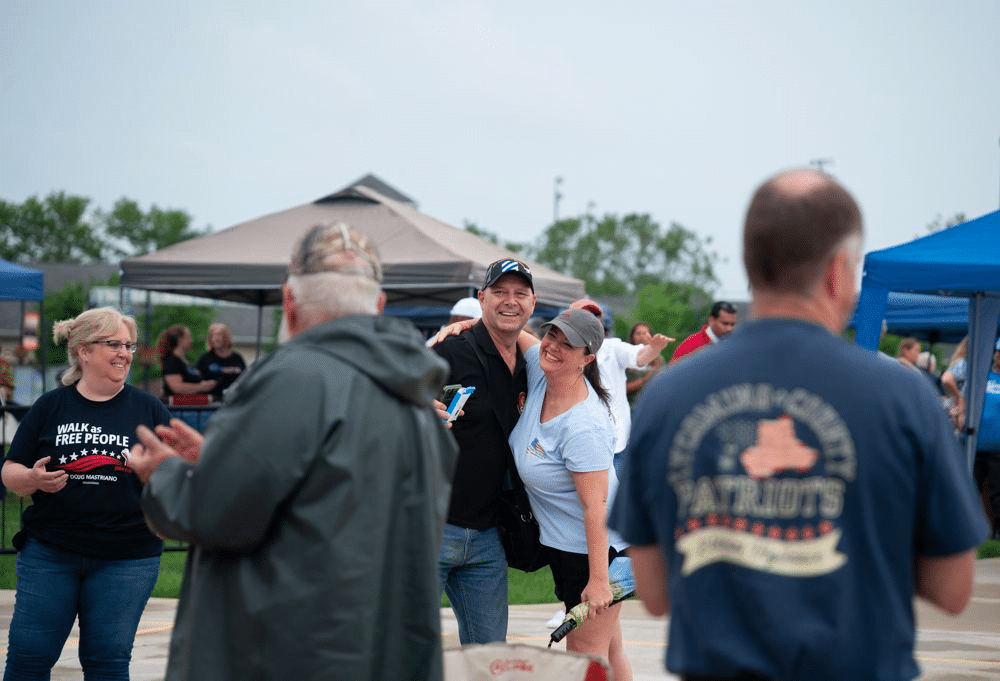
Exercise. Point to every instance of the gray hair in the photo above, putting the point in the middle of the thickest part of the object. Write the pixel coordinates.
(325, 296)
(334, 272)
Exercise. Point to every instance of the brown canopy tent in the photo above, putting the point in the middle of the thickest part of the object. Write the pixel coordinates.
(428, 265)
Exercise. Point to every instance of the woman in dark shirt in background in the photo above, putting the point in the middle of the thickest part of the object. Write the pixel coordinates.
(179, 377)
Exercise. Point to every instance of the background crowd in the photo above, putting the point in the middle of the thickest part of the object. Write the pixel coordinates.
(331, 501)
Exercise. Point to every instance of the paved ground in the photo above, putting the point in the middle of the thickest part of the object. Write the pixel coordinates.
(964, 648)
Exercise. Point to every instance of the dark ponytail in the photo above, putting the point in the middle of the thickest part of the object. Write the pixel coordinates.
(592, 374)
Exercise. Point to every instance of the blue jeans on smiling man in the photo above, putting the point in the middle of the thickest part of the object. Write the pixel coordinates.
(473, 573)
(53, 587)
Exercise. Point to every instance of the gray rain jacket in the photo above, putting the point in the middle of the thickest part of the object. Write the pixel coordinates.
(315, 514)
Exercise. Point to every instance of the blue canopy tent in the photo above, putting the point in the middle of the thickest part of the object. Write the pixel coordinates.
(19, 283)
(962, 261)
(936, 319)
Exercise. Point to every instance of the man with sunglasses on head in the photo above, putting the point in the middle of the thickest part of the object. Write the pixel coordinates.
(314, 504)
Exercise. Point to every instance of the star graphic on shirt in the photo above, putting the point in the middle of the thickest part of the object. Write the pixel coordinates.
(62, 459)
(777, 449)
(104, 452)
(74, 456)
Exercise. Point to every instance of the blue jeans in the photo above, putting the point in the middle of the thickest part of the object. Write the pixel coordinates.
(53, 588)
(473, 572)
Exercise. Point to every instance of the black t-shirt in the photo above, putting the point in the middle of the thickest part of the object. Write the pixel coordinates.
(225, 370)
(490, 415)
(175, 365)
(97, 513)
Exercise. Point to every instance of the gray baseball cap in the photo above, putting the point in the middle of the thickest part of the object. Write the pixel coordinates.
(582, 329)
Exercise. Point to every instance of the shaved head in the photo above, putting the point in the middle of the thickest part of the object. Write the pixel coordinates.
(795, 223)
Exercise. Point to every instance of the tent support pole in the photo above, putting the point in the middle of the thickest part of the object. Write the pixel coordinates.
(260, 324)
(45, 355)
(147, 369)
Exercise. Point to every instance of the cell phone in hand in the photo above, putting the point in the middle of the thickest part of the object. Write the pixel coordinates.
(458, 400)
(448, 392)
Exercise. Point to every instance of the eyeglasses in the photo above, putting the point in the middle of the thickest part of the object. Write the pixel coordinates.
(117, 345)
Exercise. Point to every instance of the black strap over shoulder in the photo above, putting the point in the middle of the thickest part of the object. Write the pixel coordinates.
(516, 484)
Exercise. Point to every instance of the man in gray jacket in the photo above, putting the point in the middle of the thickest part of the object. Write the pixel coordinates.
(315, 502)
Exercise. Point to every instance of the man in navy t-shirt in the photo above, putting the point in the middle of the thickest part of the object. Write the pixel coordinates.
(782, 509)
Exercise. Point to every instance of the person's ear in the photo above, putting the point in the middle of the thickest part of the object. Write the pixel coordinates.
(288, 306)
(837, 279)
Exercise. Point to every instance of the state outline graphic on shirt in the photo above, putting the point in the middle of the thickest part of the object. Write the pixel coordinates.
(747, 513)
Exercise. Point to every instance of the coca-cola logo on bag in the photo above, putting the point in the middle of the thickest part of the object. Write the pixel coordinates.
(498, 667)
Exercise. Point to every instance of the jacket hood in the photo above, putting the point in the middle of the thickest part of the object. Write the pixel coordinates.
(388, 350)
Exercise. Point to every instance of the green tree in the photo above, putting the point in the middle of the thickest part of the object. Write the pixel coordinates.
(53, 229)
(66, 303)
(131, 231)
(147, 368)
(673, 309)
(512, 246)
(940, 223)
(617, 256)
(195, 317)
(58, 229)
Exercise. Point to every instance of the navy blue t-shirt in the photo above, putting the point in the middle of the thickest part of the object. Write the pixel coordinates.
(97, 513)
(223, 370)
(790, 478)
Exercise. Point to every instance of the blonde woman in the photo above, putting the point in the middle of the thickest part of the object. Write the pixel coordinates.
(84, 550)
(220, 362)
(953, 381)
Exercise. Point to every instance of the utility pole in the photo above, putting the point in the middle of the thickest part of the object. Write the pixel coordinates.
(556, 195)
(821, 164)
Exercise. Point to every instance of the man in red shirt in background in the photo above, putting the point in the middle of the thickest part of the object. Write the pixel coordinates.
(720, 322)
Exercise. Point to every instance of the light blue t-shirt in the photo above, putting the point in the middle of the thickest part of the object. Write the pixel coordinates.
(988, 439)
(579, 440)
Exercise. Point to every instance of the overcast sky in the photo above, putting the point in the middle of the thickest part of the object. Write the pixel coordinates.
(235, 109)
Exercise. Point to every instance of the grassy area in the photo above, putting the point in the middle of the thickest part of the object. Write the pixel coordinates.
(523, 588)
(168, 584)
(989, 549)
(526, 587)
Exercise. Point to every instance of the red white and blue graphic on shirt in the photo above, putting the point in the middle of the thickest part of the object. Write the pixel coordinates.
(773, 502)
(84, 448)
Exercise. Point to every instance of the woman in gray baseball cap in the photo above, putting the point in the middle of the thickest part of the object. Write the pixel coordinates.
(563, 447)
